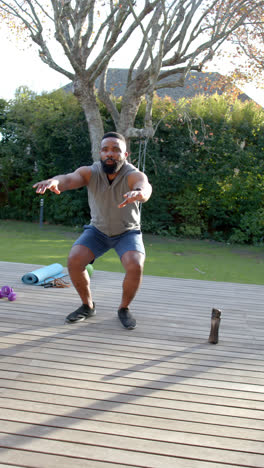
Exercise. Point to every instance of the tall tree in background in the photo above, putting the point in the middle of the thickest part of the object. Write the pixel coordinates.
(166, 39)
(249, 39)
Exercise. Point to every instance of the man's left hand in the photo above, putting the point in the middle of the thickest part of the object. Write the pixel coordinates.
(131, 197)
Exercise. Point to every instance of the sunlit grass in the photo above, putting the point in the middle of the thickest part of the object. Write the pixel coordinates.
(28, 243)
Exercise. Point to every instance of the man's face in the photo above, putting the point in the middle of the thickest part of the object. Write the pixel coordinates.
(113, 155)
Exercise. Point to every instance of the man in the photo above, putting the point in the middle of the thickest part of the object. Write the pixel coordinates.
(115, 190)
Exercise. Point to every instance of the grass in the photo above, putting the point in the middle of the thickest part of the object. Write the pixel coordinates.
(191, 259)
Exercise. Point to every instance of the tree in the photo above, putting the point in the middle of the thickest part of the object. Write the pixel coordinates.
(245, 53)
(249, 39)
(172, 37)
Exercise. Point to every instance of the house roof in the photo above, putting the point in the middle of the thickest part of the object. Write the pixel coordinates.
(196, 83)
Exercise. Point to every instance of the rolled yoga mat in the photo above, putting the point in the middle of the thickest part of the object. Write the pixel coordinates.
(44, 274)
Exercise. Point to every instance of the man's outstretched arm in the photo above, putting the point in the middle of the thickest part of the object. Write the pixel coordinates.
(61, 183)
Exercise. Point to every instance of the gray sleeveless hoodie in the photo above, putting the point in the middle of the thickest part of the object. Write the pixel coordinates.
(104, 199)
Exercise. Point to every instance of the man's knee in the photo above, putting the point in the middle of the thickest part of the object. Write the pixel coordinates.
(135, 268)
(79, 257)
(133, 262)
(74, 261)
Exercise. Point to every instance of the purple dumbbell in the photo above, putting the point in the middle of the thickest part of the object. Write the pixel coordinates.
(8, 292)
(12, 296)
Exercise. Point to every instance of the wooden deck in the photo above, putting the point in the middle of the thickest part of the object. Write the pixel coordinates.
(96, 395)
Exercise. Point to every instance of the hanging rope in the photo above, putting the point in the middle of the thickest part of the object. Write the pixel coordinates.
(139, 155)
(142, 154)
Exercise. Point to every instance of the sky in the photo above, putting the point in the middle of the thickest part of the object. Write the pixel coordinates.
(21, 66)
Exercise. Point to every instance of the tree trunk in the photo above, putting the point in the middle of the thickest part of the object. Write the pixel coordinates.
(131, 100)
(85, 92)
(127, 116)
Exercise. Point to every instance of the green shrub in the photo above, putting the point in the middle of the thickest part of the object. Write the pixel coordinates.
(250, 230)
(205, 163)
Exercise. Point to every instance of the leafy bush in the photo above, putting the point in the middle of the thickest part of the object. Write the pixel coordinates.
(205, 163)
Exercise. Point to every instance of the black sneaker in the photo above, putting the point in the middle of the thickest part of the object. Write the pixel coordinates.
(126, 318)
(83, 313)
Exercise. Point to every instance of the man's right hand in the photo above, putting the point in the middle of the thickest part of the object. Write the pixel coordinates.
(49, 184)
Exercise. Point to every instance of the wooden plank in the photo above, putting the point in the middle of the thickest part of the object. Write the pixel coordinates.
(43, 460)
(75, 405)
(102, 351)
(78, 335)
(161, 407)
(157, 428)
(133, 442)
(8, 466)
(148, 374)
(212, 435)
(143, 454)
(156, 389)
(50, 353)
(189, 377)
(78, 364)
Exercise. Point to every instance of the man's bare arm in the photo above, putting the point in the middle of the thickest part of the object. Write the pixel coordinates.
(61, 183)
(141, 189)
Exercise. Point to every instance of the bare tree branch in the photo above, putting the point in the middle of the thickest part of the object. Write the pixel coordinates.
(173, 37)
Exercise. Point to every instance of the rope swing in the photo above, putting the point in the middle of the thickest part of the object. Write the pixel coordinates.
(142, 153)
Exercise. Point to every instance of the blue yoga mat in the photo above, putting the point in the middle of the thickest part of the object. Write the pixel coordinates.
(44, 274)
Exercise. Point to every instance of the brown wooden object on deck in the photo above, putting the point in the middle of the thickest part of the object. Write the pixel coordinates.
(215, 323)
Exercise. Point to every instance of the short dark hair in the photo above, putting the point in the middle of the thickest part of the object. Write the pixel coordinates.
(114, 135)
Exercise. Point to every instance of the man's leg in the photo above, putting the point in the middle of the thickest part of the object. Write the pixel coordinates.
(133, 263)
(79, 257)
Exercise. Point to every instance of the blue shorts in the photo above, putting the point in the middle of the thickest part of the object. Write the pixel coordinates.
(99, 243)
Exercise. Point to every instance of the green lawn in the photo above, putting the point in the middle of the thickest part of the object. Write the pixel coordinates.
(193, 259)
